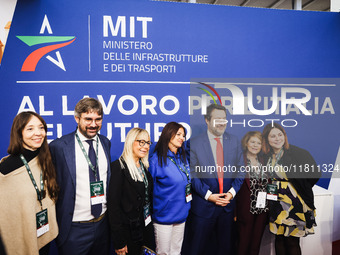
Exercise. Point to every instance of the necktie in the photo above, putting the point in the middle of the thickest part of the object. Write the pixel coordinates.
(95, 209)
(220, 163)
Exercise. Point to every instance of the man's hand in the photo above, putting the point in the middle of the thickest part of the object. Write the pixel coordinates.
(220, 199)
(122, 251)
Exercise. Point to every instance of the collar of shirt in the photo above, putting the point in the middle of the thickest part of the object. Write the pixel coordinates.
(83, 138)
(212, 137)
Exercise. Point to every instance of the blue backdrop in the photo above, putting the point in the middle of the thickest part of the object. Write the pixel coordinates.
(139, 58)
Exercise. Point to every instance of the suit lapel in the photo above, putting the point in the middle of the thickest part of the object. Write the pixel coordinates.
(208, 152)
(70, 156)
(129, 178)
(107, 154)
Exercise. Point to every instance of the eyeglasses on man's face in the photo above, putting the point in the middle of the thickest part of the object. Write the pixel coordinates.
(89, 121)
(143, 142)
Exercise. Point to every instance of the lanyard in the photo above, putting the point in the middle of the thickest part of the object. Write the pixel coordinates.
(41, 193)
(145, 180)
(259, 165)
(277, 158)
(180, 168)
(87, 156)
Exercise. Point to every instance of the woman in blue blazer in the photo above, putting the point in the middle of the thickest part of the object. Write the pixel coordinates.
(172, 189)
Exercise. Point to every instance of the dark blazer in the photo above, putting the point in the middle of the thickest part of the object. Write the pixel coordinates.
(201, 156)
(303, 181)
(125, 205)
(64, 160)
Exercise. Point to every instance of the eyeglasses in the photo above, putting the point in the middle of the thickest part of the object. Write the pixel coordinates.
(89, 121)
(143, 142)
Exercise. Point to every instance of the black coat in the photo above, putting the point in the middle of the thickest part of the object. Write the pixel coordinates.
(126, 200)
(303, 179)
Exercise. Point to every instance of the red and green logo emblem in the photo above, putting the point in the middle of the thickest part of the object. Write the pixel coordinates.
(55, 42)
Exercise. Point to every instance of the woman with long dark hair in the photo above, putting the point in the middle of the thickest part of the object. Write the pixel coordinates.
(291, 207)
(172, 189)
(28, 189)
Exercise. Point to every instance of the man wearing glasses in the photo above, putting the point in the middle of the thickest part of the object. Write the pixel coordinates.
(82, 163)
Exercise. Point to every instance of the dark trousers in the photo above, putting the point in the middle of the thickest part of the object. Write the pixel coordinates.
(91, 238)
(205, 236)
(250, 229)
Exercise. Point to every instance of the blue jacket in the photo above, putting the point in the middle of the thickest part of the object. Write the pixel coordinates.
(169, 202)
(64, 160)
(201, 155)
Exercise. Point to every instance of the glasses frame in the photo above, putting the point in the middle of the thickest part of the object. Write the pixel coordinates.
(89, 121)
(142, 143)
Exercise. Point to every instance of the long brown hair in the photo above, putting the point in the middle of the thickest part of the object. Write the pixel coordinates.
(44, 157)
(266, 148)
(162, 146)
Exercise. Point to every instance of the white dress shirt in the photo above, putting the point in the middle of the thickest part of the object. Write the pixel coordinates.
(82, 208)
(213, 144)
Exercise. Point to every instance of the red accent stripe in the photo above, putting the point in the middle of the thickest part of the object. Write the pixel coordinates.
(213, 90)
(32, 60)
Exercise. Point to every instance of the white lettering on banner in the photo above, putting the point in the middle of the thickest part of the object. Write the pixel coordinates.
(123, 132)
(135, 68)
(162, 105)
(127, 45)
(64, 106)
(26, 101)
(120, 68)
(107, 108)
(134, 102)
(150, 107)
(168, 105)
(42, 107)
(122, 128)
(156, 131)
(170, 57)
(121, 25)
(148, 104)
(116, 56)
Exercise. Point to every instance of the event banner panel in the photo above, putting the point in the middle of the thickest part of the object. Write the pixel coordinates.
(146, 62)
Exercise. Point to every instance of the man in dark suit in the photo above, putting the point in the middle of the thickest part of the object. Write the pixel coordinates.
(215, 160)
(82, 163)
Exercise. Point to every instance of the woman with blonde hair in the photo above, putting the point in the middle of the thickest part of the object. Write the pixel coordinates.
(130, 196)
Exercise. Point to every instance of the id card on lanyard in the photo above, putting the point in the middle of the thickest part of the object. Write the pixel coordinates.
(146, 207)
(147, 215)
(97, 192)
(261, 199)
(272, 192)
(42, 216)
(188, 192)
(96, 187)
(42, 222)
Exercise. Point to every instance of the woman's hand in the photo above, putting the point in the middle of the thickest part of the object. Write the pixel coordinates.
(122, 251)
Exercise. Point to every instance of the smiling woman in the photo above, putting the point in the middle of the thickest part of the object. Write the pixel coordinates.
(130, 196)
(292, 213)
(251, 205)
(28, 175)
(172, 189)
(33, 134)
